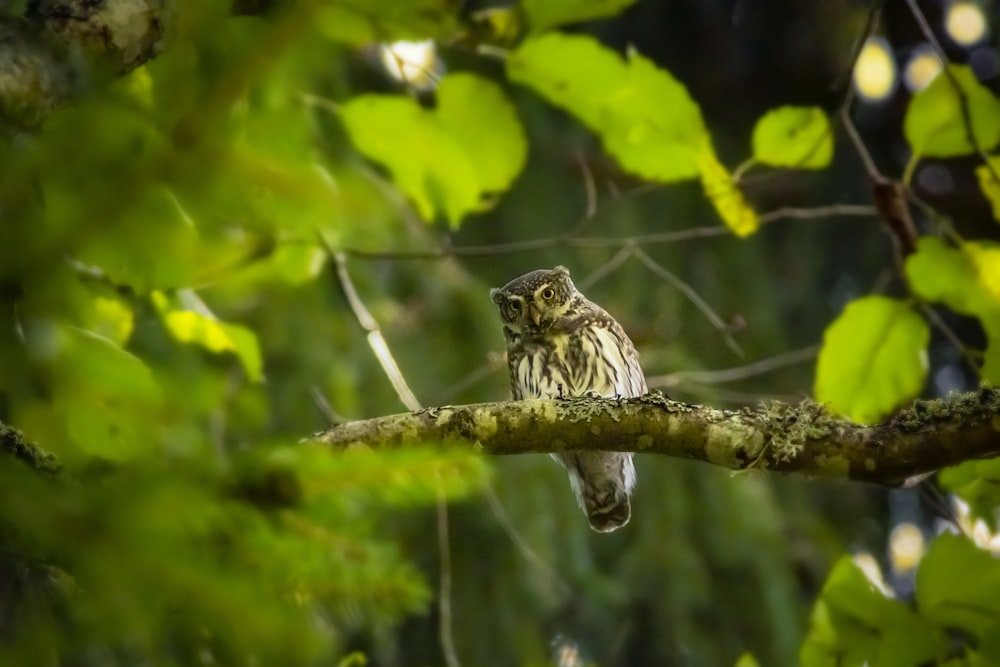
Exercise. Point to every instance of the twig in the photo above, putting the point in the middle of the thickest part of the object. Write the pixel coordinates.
(381, 351)
(375, 338)
(691, 295)
(608, 267)
(734, 374)
(676, 236)
(950, 336)
(444, 592)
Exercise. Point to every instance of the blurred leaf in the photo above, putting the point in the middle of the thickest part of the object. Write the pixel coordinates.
(395, 478)
(934, 124)
(156, 250)
(355, 659)
(978, 484)
(855, 624)
(644, 116)
(958, 585)
(967, 280)
(361, 22)
(545, 14)
(793, 137)
(445, 159)
(989, 184)
(747, 660)
(105, 397)
(874, 357)
(190, 327)
(727, 198)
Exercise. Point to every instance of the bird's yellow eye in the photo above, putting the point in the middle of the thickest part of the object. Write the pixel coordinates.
(548, 293)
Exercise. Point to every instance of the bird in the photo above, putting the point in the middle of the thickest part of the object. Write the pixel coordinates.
(562, 345)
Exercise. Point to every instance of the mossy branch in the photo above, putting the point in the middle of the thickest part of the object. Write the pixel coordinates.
(804, 438)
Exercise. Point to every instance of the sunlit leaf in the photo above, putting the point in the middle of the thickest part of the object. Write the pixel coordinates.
(727, 198)
(989, 183)
(644, 116)
(188, 326)
(874, 358)
(854, 624)
(794, 137)
(545, 14)
(747, 660)
(958, 585)
(965, 279)
(110, 317)
(935, 124)
(444, 159)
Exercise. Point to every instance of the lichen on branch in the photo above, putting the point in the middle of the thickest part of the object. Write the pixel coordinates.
(806, 438)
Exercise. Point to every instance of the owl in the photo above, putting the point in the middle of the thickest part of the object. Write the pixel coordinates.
(559, 344)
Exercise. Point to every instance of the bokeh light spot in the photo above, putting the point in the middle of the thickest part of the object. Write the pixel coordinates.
(923, 66)
(414, 63)
(906, 547)
(965, 23)
(875, 72)
(936, 179)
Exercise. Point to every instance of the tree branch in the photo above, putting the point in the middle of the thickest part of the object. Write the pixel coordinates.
(804, 439)
(51, 53)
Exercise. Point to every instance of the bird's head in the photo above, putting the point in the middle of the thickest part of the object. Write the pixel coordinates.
(531, 304)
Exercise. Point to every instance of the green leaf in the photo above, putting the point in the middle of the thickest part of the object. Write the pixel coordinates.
(444, 159)
(361, 22)
(855, 624)
(747, 660)
(965, 279)
(874, 357)
(495, 140)
(545, 14)
(794, 137)
(958, 585)
(106, 395)
(990, 185)
(727, 198)
(935, 124)
(978, 484)
(188, 326)
(644, 116)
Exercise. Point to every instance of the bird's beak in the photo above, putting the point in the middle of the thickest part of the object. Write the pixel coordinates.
(535, 314)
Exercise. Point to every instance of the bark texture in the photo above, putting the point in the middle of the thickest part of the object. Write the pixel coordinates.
(804, 438)
(61, 46)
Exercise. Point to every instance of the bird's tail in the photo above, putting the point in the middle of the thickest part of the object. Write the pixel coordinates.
(602, 482)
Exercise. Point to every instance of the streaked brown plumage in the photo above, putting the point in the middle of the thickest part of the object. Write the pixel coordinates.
(559, 344)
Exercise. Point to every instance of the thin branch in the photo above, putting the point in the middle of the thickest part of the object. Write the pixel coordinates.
(607, 268)
(375, 338)
(805, 439)
(381, 350)
(589, 187)
(676, 236)
(950, 335)
(551, 575)
(734, 374)
(444, 592)
(692, 296)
